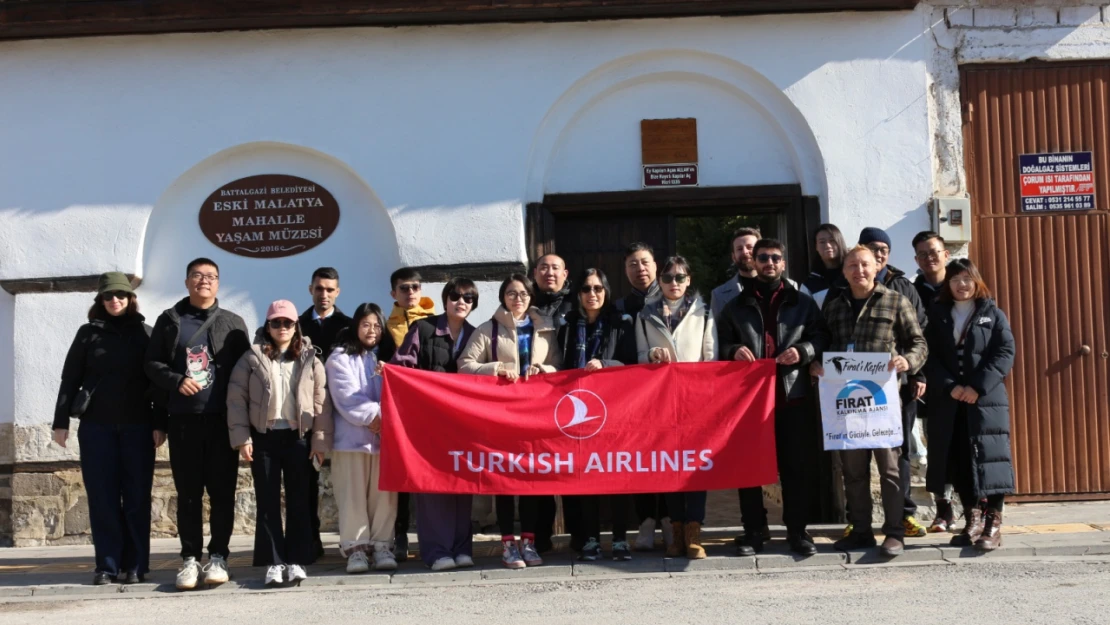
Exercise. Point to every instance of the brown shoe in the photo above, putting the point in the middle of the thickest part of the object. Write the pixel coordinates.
(892, 546)
(678, 547)
(694, 550)
(973, 528)
(991, 536)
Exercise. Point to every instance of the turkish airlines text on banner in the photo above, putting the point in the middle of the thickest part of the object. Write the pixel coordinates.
(634, 429)
(860, 407)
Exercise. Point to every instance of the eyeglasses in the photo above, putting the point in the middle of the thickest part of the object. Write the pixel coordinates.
(963, 281)
(197, 276)
(110, 295)
(521, 295)
(774, 258)
(282, 324)
(879, 250)
(930, 254)
(591, 288)
(410, 287)
(466, 297)
(668, 278)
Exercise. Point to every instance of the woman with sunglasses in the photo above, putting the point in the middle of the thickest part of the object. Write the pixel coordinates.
(276, 395)
(517, 342)
(367, 515)
(971, 351)
(679, 328)
(597, 336)
(434, 344)
(103, 385)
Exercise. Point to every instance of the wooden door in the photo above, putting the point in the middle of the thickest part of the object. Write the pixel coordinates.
(1049, 270)
(588, 241)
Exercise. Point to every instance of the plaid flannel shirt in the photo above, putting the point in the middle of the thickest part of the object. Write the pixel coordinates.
(888, 323)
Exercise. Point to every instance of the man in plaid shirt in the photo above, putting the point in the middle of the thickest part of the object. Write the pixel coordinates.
(869, 317)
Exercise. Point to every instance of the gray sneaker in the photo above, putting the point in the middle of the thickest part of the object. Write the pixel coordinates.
(510, 555)
(621, 551)
(591, 551)
(215, 572)
(188, 574)
(529, 553)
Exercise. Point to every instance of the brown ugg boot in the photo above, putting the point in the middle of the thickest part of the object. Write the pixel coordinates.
(694, 550)
(991, 538)
(678, 547)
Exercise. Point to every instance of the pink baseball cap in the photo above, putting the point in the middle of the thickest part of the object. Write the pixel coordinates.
(282, 309)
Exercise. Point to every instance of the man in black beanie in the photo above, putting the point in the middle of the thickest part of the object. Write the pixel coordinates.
(878, 241)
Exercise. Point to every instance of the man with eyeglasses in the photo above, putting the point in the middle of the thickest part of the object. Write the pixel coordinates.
(774, 319)
(913, 386)
(552, 300)
(193, 348)
(321, 323)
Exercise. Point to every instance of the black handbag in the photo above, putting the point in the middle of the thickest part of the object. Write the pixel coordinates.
(81, 401)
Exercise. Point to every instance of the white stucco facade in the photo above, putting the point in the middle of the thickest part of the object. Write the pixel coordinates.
(434, 139)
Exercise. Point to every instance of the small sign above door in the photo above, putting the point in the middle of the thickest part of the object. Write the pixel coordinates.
(669, 152)
(1064, 181)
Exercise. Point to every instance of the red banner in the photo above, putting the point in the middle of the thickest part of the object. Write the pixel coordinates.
(635, 429)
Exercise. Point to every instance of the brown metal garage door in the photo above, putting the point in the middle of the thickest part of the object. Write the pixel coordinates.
(1050, 271)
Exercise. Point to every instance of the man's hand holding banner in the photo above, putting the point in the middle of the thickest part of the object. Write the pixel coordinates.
(635, 429)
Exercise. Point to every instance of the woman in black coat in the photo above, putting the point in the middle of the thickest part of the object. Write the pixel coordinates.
(103, 384)
(971, 351)
(596, 336)
(434, 344)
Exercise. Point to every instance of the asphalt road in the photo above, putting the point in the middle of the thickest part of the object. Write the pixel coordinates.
(1040, 592)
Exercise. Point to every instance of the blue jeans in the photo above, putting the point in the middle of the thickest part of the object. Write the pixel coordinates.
(117, 464)
(687, 507)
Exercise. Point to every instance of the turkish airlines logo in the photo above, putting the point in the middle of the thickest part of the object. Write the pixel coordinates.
(580, 414)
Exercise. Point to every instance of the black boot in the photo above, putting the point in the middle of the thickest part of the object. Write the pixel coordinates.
(750, 543)
(801, 543)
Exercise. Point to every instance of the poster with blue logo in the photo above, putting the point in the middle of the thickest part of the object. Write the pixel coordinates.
(860, 408)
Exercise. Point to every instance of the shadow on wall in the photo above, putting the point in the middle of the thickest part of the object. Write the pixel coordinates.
(362, 248)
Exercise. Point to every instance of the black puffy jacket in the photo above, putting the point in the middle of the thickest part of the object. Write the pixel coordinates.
(988, 356)
(107, 357)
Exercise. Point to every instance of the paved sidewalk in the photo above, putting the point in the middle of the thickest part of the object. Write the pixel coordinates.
(1030, 531)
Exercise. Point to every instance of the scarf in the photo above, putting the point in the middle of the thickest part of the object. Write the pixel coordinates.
(588, 347)
(674, 317)
(524, 333)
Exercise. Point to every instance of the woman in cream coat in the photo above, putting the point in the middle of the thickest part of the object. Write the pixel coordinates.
(678, 327)
(517, 342)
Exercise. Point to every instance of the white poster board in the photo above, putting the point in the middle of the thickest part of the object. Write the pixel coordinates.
(860, 407)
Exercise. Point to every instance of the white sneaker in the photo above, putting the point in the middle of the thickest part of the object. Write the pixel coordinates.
(297, 574)
(462, 560)
(510, 555)
(668, 531)
(383, 559)
(443, 564)
(187, 574)
(215, 572)
(274, 575)
(645, 539)
(357, 563)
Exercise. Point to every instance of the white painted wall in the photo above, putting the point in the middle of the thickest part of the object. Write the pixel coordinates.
(432, 139)
(7, 365)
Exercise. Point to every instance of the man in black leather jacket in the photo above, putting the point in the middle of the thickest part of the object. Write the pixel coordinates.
(773, 319)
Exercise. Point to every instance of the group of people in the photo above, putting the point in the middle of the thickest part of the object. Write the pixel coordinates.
(309, 385)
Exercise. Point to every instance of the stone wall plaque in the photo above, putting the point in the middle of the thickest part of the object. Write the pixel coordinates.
(269, 216)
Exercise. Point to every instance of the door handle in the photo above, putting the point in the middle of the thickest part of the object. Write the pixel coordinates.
(1085, 350)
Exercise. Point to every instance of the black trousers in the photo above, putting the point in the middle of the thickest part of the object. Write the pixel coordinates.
(117, 466)
(797, 472)
(909, 418)
(585, 510)
(529, 508)
(314, 500)
(404, 517)
(201, 459)
(279, 458)
(651, 506)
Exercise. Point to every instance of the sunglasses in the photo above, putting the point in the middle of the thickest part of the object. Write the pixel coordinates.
(592, 288)
(774, 258)
(281, 324)
(411, 287)
(466, 297)
(679, 278)
(110, 295)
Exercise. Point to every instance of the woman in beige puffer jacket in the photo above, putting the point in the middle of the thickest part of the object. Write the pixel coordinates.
(678, 327)
(275, 397)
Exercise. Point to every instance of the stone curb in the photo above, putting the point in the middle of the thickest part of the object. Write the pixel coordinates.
(562, 570)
